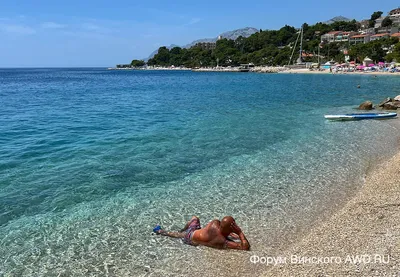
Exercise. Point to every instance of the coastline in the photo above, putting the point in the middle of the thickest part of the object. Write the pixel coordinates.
(368, 224)
(261, 69)
(307, 71)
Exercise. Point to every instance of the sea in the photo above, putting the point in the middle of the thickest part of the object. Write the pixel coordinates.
(91, 160)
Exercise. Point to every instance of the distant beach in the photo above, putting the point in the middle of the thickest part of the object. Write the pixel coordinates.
(264, 69)
(326, 71)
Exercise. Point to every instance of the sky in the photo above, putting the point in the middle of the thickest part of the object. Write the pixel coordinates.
(92, 33)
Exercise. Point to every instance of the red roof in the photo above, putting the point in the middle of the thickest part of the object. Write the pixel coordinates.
(359, 36)
(380, 35)
(394, 11)
(334, 32)
(396, 35)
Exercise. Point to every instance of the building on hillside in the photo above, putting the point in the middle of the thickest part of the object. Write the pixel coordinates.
(356, 39)
(395, 12)
(379, 36)
(337, 36)
(378, 22)
(394, 30)
(331, 36)
(370, 31)
(395, 20)
(344, 36)
(364, 24)
(394, 15)
(206, 45)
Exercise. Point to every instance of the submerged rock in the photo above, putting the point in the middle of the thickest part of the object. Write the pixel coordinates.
(367, 105)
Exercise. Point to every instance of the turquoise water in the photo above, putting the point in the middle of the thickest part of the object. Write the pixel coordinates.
(92, 159)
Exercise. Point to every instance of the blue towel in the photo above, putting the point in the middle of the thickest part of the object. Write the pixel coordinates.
(157, 228)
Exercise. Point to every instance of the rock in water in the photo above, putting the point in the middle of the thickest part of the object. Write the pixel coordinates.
(397, 98)
(367, 105)
(387, 100)
(390, 106)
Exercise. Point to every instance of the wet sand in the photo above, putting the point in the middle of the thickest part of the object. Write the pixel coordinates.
(369, 225)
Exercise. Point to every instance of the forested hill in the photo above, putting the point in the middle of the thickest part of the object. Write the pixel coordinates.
(244, 32)
(275, 47)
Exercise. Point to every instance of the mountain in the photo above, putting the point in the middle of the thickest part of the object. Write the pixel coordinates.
(337, 18)
(244, 32)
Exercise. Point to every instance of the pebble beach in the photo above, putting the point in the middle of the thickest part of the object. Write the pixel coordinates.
(368, 226)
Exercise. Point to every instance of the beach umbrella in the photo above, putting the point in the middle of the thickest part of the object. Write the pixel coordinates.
(381, 63)
(353, 62)
(371, 64)
(360, 67)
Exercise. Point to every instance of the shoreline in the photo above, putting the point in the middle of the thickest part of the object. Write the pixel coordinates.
(368, 224)
(260, 69)
(307, 71)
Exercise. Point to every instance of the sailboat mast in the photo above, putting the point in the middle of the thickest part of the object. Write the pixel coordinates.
(301, 45)
(294, 49)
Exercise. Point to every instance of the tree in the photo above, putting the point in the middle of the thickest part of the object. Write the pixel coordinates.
(373, 49)
(226, 52)
(345, 25)
(137, 63)
(161, 58)
(274, 47)
(374, 17)
(387, 22)
(395, 55)
(175, 56)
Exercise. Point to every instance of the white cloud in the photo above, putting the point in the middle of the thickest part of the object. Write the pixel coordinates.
(52, 25)
(17, 29)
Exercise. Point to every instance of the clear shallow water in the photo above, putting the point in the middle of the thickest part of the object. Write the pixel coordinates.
(92, 159)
